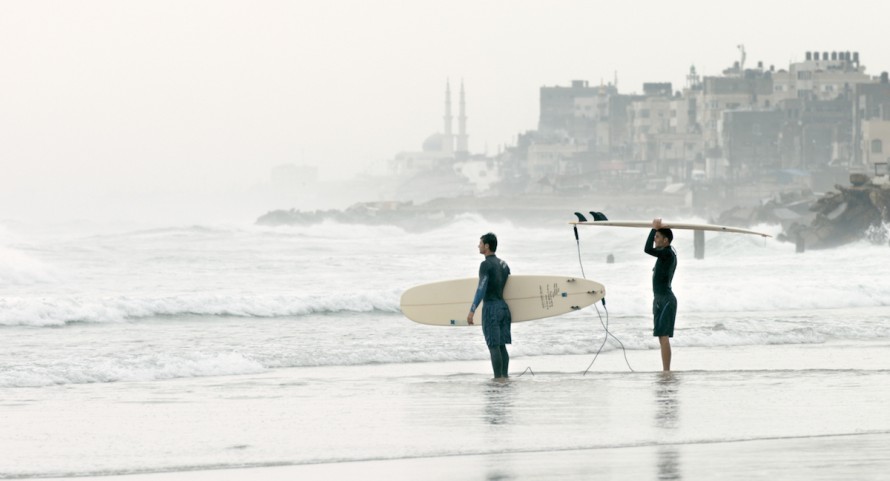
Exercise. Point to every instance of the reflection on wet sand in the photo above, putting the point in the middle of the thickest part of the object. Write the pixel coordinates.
(498, 401)
(667, 418)
(669, 463)
(666, 401)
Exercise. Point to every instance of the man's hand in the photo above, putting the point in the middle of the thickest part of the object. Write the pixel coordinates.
(656, 223)
(470, 318)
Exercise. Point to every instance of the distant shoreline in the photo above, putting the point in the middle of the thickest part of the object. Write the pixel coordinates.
(539, 208)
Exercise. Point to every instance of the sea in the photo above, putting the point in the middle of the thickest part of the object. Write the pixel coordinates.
(134, 350)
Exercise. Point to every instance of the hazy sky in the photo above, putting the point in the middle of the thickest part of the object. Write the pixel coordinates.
(127, 99)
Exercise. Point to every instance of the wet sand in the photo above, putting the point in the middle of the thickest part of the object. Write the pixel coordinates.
(798, 412)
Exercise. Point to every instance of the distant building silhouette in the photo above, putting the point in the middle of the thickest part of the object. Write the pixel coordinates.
(807, 124)
(738, 126)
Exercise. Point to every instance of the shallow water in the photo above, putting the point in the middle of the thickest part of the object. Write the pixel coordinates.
(300, 416)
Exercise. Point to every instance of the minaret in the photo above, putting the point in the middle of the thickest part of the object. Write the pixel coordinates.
(448, 138)
(692, 79)
(462, 138)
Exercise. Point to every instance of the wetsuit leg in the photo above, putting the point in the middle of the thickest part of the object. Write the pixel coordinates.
(500, 360)
(497, 361)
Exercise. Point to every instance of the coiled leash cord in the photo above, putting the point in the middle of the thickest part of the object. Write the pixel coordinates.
(605, 323)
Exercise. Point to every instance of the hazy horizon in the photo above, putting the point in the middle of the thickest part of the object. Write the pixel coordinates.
(181, 109)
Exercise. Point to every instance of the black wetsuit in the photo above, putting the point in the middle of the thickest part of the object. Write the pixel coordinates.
(664, 306)
(493, 274)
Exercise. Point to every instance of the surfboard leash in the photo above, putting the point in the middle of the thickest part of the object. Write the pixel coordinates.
(605, 323)
(527, 369)
(606, 338)
(578, 243)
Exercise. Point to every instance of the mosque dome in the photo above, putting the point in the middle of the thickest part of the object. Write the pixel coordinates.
(433, 143)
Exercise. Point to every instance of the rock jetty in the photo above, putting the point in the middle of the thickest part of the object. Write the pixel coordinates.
(851, 213)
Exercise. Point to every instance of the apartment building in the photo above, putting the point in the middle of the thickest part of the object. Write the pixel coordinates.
(822, 76)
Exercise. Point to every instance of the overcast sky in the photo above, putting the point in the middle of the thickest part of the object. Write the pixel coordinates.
(125, 99)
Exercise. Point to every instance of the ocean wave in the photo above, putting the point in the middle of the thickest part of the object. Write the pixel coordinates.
(165, 363)
(59, 311)
(158, 353)
(697, 297)
(147, 367)
(20, 269)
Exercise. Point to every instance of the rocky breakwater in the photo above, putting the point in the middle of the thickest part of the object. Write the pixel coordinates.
(403, 214)
(784, 208)
(851, 213)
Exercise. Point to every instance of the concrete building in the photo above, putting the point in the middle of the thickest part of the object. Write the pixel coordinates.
(871, 102)
(604, 121)
(875, 143)
(666, 139)
(586, 127)
(751, 142)
(649, 118)
(558, 106)
(720, 94)
(590, 124)
(818, 117)
(549, 159)
(822, 76)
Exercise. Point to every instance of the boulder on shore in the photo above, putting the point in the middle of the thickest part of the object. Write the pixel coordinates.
(855, 212)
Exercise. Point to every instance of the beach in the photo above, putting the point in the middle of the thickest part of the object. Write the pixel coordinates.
(725, 414)
(225, 353)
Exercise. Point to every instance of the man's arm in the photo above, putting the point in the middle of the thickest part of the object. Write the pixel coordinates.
(649, 248)
(480, 293)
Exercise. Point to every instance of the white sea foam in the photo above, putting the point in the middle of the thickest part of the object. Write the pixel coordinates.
(18, 268)
(274, 272)
(144, 367)
(60, 311)
(712, 296)
(353, 343)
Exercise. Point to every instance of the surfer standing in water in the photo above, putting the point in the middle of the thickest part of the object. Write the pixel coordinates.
(664, 307)
(496, 320)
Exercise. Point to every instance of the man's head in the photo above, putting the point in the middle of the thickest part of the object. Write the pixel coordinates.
(663, 237)
(488, 243)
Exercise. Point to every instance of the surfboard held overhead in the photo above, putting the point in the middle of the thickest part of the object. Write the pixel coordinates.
(669, 225)
(447, 303)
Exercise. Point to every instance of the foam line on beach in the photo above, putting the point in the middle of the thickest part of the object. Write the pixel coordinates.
(186, 470)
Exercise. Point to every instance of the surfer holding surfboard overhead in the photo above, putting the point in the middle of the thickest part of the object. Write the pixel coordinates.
(493, 273)
(664, 305)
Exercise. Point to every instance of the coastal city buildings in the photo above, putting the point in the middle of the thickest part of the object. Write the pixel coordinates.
(805, 125)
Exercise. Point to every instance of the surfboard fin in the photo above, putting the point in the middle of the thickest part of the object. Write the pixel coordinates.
(598, 216)
(581, 217)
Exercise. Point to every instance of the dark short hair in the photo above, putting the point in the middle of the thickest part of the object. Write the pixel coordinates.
(491, 240)
(667, 233)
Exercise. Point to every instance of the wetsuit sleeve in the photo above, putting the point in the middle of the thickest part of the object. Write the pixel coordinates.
(665, 253)
(648, 248)
(480, 292)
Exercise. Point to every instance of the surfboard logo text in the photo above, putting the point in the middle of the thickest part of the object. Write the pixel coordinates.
(547, 294)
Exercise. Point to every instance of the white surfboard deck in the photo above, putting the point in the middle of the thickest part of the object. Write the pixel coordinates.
(670, 225)
(447, 303)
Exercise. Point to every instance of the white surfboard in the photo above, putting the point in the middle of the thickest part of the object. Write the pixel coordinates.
(447, 303)
(670, 225)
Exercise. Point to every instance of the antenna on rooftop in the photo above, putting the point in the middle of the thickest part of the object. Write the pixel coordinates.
(741, 48)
